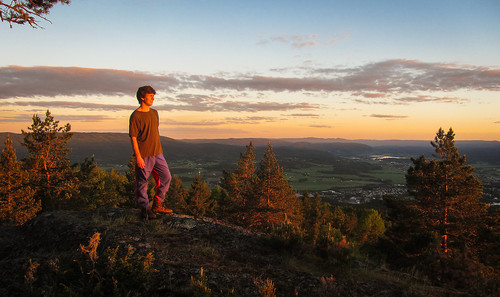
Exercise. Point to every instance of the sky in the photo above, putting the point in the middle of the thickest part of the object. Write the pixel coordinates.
(260, 69)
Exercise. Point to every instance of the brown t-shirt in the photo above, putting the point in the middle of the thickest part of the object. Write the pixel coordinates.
(144, 126)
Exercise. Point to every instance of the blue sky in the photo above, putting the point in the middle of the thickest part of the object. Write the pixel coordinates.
(351, 69)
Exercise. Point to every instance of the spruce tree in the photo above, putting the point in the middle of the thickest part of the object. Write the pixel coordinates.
(239, 188)
(447, 195)
(199, 203)
(273, 202)
(17, 203)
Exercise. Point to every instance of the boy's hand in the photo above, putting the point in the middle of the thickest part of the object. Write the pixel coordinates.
(140, 162)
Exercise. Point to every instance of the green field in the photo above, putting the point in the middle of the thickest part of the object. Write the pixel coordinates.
(314, 178)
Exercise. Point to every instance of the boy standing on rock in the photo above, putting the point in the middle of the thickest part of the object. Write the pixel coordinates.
(143, 131)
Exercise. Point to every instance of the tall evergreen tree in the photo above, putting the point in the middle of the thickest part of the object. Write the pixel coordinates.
(273, 201)
(17, 203)
(316, 214)
(447, 195)
(199, 203)
(439, 229)
(239, 187)
(52, 177)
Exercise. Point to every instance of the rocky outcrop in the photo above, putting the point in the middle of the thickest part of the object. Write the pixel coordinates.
(233, 258)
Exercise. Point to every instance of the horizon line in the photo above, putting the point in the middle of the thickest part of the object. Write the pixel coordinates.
(272, 138)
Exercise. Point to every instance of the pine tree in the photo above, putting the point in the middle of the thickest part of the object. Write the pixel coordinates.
(17, 203)
(447, 195)
(199, 202)
(239, 187)
(273, 201)
(52, 177)
(316, 214)
(176, 196)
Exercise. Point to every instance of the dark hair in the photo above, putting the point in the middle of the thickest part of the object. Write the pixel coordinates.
(142, 91)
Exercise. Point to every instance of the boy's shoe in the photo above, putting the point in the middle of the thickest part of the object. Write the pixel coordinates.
(160, 209)
(147, 213)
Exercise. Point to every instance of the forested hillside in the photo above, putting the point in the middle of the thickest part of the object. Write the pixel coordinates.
(442, 235)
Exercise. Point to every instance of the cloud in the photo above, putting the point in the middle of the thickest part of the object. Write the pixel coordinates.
(238, 106)
(311, 115)
(422, 98)
(371, 95)
(387, 117)
(47, 81)
(374, 80)
(297, 41)
(381, 102)
(61, 118)
(84, 118)
(209, 132)
(319, 126)
(249, 120)
(195, 105)
(74, 105)
(394, 100)
(193, 123)
(15, 118)
(226, 121)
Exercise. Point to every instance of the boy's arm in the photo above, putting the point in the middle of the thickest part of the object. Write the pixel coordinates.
(135, 146)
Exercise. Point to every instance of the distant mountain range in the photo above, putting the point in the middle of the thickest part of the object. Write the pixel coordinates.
(115, 148)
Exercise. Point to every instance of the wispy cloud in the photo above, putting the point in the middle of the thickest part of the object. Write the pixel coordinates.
(187, 106)
(387, 117)
(300, 41)
(15, 118)
(84, 118)
(209, 130)
(396, 100)
(380, 102)
(296, 40)
(193, 123)
(61, 118)
(249, 120)
(226, 121)
(239, 106)
(425, 98)
(74, 105)
(320, 126)
(307, 115)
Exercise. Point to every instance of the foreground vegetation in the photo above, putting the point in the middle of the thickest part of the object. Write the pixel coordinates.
(442, 230)
(113, 252)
